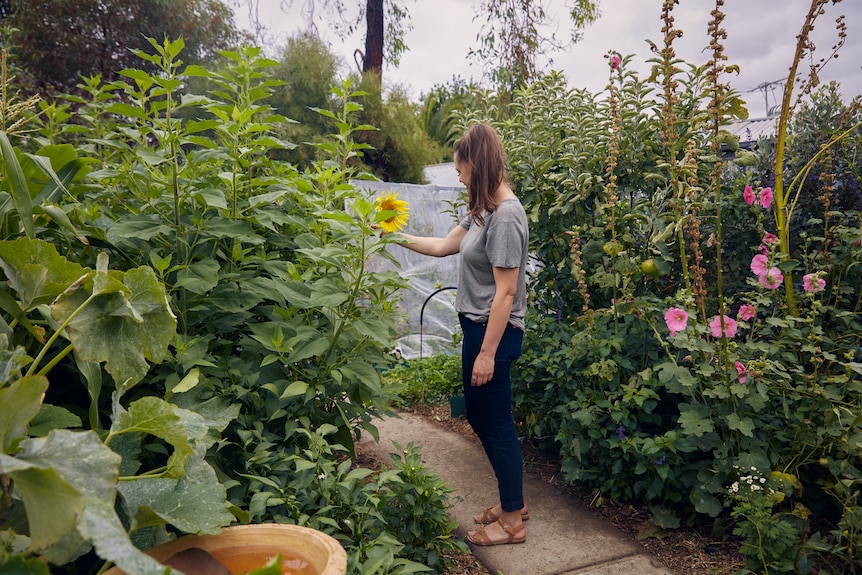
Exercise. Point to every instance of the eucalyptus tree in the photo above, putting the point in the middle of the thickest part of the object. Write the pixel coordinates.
(385, 23)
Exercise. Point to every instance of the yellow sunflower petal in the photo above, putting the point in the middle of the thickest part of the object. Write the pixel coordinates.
(389, 202)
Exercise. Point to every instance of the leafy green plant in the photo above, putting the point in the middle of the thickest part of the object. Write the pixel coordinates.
(430, 380)
(646, 396)
(769, 538)
(280, 328)
(63, 477)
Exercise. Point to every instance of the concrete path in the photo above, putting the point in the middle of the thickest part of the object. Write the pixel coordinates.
(563, 538)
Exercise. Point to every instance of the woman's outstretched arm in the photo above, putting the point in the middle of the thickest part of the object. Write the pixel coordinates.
(437, 247)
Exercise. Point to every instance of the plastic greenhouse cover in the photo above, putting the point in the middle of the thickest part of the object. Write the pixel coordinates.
(431, 214)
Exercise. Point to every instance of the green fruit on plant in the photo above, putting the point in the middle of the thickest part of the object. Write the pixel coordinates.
(824, 461)
(650, 268)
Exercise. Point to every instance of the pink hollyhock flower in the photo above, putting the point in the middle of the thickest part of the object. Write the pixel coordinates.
(770, 239)
(741, 371)
(813, 283)
(748, 195)
(759, 264)
(615, 62)
(771, 279)
(746, 312)
(676, 320)
(729, 326)
(765, 197)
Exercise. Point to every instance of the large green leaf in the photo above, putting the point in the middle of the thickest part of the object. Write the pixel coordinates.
(19, 403)
(99, 523)
(52, 417)
(17, 185)
(79, 457)
(215, 411)
(155, 416)
(199, 277)
(298, 293)
(196, 503)
(363, 373)
(52, 505)
(692, 423)
(54, 476)
(705, 502)
(141, 227)
(224, 228)
(122, 331)
(375, 329)
(328, 293)
(36, 272)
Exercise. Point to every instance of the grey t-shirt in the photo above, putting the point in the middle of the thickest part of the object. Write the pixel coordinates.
(501, 242)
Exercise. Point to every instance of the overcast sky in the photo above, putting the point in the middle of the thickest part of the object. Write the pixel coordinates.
(761, 41)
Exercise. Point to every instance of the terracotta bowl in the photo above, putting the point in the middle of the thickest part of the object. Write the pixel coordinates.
(245, 547)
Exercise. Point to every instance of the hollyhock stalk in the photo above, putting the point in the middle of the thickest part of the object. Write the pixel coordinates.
(717, 110)
(782, 212)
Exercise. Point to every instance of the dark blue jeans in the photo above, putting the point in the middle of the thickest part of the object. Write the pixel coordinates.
(489, 410)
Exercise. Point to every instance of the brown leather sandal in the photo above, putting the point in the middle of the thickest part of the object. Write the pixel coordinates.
(488, 516)
(479, 537)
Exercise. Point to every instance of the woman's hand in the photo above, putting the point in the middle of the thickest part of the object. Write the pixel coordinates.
(483, 370)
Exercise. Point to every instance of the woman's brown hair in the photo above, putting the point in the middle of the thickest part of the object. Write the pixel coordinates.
(481, 149)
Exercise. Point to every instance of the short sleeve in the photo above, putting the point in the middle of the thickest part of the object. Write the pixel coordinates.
(506, 238)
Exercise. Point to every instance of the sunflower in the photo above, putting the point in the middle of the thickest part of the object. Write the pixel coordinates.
(398, 209)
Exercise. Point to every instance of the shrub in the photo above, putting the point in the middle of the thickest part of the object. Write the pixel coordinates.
(430, 380)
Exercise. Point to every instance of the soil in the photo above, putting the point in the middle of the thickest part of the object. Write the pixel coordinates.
(685, 551)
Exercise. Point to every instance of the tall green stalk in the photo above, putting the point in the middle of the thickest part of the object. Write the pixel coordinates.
(783, 211)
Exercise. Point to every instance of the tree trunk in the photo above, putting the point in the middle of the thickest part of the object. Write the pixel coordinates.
(373, 61)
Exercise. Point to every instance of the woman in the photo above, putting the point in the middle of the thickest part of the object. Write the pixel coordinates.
(491, 301)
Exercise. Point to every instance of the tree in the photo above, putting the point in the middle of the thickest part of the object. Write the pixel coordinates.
(444, 107)
(511, 36)
(400, 147)
(308, 69)
(58, 41)
(385, 22)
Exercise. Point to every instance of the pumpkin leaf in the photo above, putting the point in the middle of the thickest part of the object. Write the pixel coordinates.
(36, 272)
(121, 328)
(19, 404)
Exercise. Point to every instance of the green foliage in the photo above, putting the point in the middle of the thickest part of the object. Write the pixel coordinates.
(442, 107)
(308, 69)
(430, 380)
(512, 37)
(67, 480)
(57, 42)
(185, 242)
(769, 537)
(394, 521)
(642, 414)
(832, 182)
(400, 148)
